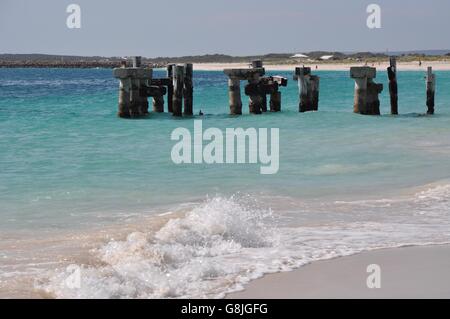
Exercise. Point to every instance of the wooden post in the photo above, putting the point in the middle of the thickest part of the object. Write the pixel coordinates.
(275, 95)
(124, 98)
(170, 88)
(366, 91)
(136, 61)
(314, 95)
(431, 88)
(257, 102)
(256, 64)
(255, 98)
(188, 90)
(308, 86)
(393, 88)
(178, 79)
(158, 102)
(143, 98)
(234, 94)
(275, 102)
(303, 77)
(372, 99)
(264, 103)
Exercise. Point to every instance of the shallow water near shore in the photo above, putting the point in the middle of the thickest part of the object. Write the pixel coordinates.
(81, 186)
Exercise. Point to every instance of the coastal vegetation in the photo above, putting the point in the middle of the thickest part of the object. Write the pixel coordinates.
(62, 61)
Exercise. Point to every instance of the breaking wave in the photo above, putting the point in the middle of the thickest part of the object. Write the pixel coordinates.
(224, 243)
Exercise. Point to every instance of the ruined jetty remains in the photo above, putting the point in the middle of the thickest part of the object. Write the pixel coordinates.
(366, 90)
(393, 88)
(308, 86)
(132, 79)
(431, 89)
(137, 84)
(257, 89)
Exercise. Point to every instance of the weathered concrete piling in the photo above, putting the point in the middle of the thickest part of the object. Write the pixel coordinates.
(234, 94)
(257, 89)
(366, 90)
(431, 88)
(235, 76)
(132, 80)
(393, 88)
(308, 85)
(137, 84)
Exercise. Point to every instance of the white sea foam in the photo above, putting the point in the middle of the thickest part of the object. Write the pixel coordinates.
(225, 242)
(341, 169)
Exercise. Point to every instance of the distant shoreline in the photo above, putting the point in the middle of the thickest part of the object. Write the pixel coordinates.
(443, 65)
(325, 60)
(402, 66)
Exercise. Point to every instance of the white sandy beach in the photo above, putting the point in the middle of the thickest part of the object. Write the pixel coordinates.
(409, 66)
(412, 272)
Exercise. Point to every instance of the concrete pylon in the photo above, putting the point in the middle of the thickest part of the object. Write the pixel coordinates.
(132, 101)
(366, 90)
(308, 86)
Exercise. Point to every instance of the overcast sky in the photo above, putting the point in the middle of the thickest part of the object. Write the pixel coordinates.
(238, 27)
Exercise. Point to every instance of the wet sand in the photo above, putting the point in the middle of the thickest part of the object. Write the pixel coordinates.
(412, 272)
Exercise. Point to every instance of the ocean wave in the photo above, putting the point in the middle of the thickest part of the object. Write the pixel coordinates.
(224, 243)
(186, 257)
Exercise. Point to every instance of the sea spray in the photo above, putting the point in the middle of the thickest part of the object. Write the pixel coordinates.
(190, 256)
(224, 243)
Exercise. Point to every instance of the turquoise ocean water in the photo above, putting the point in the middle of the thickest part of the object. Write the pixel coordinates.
(346, 183)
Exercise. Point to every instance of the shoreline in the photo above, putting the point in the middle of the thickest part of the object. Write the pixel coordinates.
(212, 66)
(98, 237)
(402, 66)
(406, 272)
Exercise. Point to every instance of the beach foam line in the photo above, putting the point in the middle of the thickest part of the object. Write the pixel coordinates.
(225, 242)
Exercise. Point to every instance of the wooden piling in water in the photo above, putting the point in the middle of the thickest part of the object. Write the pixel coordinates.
(255, 97)
(270, 86)
(366, 91)
(431, 88)
(158, 104)
(170, 88)
(188, 89)
(309, 86)
(124, 98)
(157, 92)
(264, 103)
(137, 61)
(315, 86)
(234, 95)
(393, 88)
(275, 102)
(178, 80)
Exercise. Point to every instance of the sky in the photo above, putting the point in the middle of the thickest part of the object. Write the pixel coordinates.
(155, 28)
